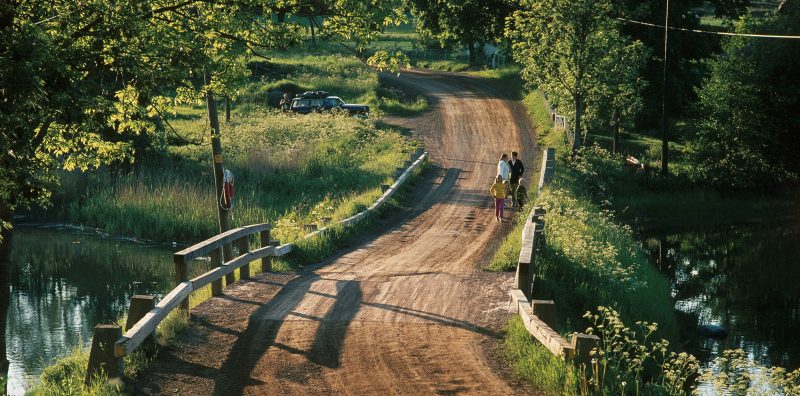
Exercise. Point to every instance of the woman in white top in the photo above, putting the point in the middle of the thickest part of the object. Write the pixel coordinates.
(503, 169)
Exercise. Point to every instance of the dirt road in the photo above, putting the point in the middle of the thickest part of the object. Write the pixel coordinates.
(408, 311)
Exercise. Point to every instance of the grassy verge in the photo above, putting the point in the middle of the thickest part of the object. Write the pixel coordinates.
(590, 259)
(531, 360)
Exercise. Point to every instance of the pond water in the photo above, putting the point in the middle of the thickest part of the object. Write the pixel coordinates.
(745, 278)
(63, 283)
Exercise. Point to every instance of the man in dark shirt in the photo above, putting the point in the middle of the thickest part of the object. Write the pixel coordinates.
(517, 169)
(286, 102)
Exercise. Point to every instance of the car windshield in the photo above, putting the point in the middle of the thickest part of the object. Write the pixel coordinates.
(299, 103)
(333, 102)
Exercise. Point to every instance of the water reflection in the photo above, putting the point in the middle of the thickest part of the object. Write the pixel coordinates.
(745, 278)
(64, 283)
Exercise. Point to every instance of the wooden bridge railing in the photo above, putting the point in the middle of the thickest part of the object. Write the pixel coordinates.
(539, 316)
(110, 346)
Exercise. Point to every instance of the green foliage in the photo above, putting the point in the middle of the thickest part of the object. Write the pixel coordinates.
(66, 377)
(591, 260)
(88, 86)
(573, 52)
(466, 22)
(531, 360)
(747, 112)
(619, 364)
(596, 170)
(396, 100)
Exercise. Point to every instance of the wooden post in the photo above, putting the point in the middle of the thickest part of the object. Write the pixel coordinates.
(266, 262)
(216, 261)
(326, 220)
(539, 237)
(538, 213)
(101, 357)
(398, 172)
(583, 344)
(140, 306)
(384, 187)
(181, 275)
(230, 277)
(244, 247)
(420, 151)
(406, 164)
(521, 278)
(546, 311)
(413, 156)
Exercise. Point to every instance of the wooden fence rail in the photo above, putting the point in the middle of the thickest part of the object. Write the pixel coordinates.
(109, 346)
(539, 316)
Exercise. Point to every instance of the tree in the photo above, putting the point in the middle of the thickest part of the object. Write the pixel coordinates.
(747, 114)
(468, 22)
(573, 52)
(79, 82)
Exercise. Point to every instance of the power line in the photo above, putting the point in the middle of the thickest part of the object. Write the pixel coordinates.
(775, 36)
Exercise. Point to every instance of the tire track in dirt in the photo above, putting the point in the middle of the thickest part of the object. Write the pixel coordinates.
(407, 311)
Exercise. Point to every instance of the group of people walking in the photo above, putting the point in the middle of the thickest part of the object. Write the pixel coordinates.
(508, 184)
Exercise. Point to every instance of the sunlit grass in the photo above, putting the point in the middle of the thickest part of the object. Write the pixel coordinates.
(531, 360)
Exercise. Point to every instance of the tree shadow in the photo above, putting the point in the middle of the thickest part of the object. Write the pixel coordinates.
(329, 340)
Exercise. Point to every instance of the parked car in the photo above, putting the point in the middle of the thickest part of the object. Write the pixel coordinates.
(309, 101)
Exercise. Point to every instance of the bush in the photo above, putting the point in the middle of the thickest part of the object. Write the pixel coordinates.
(597, 170)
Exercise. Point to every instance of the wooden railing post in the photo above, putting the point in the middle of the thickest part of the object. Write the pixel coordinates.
(181, 275)
(140, 306)
(521, 280)
(583, 345)
(244, 247)
(546, 311)
(216, 261)
(266, 262)
(229, 278)
(101, 357)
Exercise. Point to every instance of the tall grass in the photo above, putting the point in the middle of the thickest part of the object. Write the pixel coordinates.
(289, 170)
(532, 360)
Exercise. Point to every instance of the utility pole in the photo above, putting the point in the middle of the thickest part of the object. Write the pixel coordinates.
(664, 135)
(216, 149)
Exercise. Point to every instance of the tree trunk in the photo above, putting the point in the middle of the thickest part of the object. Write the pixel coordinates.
(472, 60)
(5, 287)
(227, 109)
(281, 16)
(577, 142)
(313, 35)
(615, 148)
(664, 132)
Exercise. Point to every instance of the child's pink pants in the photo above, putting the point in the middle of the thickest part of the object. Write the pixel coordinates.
(499, 205)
